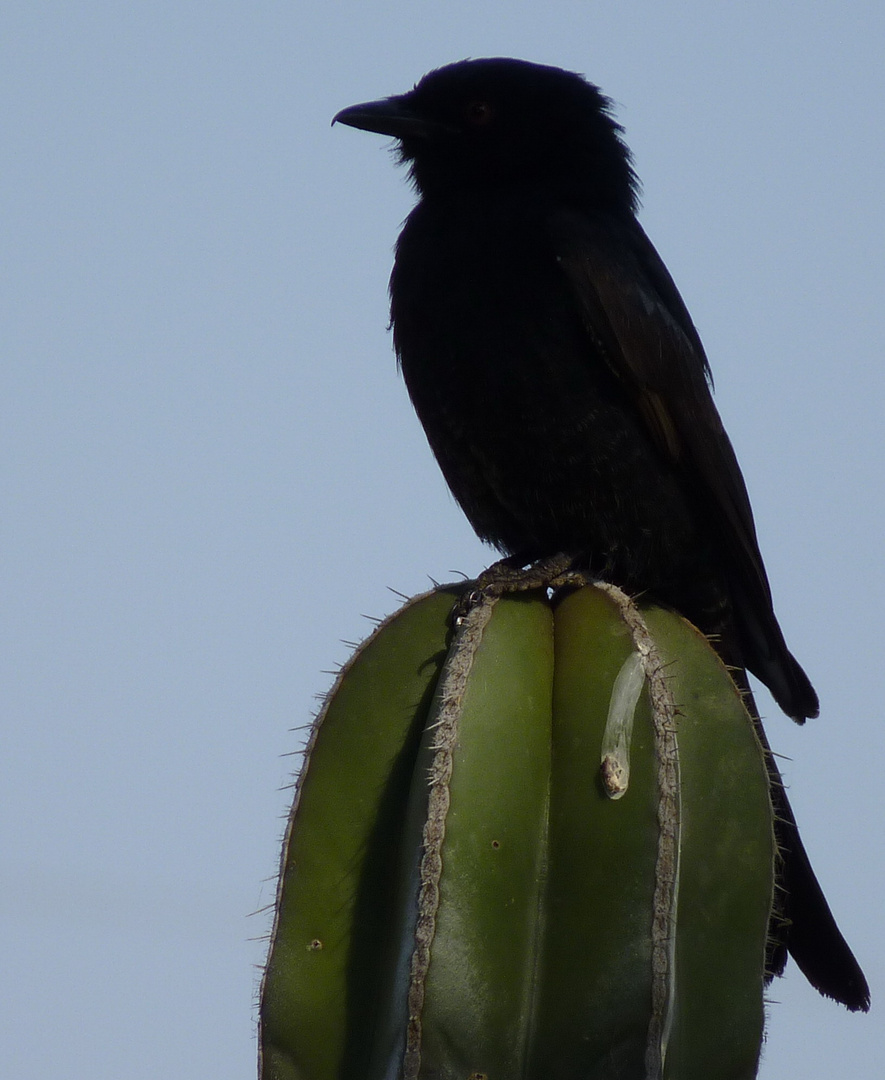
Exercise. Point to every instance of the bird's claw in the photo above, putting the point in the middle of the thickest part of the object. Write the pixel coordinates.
(504, 576)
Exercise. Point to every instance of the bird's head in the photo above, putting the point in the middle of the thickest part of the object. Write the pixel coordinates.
(493, 124)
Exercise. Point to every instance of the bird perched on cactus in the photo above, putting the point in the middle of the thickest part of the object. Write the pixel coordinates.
(566, 394)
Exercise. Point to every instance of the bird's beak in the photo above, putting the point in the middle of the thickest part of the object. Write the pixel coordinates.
(393, 116)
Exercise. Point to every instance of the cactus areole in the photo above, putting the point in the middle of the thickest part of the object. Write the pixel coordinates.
(538, 846)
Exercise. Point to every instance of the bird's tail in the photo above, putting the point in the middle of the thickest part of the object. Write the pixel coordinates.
(802, 923)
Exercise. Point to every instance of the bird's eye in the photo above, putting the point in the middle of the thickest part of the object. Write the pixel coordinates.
(479, 113)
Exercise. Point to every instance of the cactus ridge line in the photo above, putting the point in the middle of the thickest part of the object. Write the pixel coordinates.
(450, 697)
(666, 892)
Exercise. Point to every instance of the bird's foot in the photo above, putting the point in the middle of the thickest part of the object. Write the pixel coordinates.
(512, 575)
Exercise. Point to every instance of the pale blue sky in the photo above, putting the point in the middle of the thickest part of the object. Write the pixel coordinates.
(210, 468)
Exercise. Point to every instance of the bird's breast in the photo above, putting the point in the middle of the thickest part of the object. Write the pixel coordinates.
(537, 439)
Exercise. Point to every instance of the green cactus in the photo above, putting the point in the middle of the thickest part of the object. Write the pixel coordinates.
(537, 847)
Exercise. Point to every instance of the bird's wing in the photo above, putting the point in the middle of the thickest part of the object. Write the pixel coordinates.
(633, 310)
(637, 321)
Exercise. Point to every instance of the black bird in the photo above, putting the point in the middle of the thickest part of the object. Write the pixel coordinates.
(566, 394)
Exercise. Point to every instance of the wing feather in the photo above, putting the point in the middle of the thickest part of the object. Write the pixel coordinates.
(636, 319)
